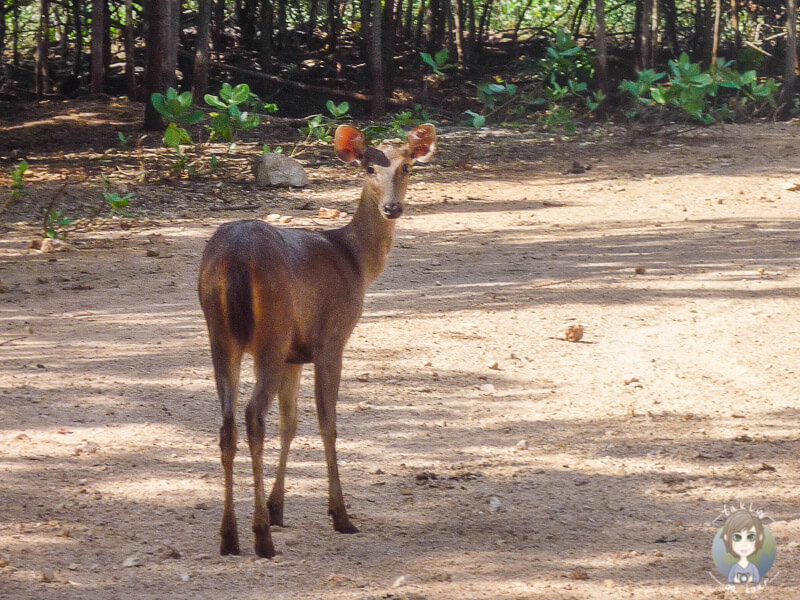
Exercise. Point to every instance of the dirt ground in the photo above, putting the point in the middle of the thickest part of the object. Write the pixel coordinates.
(482, 455)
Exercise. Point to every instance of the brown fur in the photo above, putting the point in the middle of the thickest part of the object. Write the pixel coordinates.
(293, 296)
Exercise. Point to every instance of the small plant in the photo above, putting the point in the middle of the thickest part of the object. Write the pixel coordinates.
(123, 140)
(114, 201)
(320, 127)
(177, 110)
(438, 61)
(18, 187)
(54, 222)
(265, 149)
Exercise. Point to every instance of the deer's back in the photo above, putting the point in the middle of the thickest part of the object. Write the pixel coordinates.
(264, 284)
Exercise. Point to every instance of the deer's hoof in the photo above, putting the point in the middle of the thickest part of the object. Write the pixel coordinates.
(229, 544)
(265, 547)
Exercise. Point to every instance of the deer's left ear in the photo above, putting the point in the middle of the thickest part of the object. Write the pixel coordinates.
(349, 144)
(422, 142)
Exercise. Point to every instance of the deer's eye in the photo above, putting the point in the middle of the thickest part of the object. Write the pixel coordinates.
(406, 168)
(370, 170)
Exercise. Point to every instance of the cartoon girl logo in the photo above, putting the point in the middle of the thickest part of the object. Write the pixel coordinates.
(743, 549)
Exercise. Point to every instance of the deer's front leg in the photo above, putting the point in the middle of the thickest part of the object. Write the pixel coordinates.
(327, 374)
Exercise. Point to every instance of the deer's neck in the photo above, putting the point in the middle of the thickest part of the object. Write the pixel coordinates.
(371, 235)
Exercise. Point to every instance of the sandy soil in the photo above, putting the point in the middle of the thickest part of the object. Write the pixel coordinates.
(482, 455)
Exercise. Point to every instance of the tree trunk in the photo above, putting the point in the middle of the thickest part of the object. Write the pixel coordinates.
(77, 19)
(282, 25)
(218, 30)
(42, 69)
(420, 22)
(106, 37)
(15, 33)
(313, 9)
(247, 24)
(737, 34)
(671, 26)
(378, 108)
(458, 17)
(130, 51)
(715, 40)
(159, 76)
(790, 60)
(520, 19)
(333, 27)
(174, 40)
(387, 44)
(601, 53)
(265, 50)
(484, 22)
(98, 71)
(200, 72)
(646, 41)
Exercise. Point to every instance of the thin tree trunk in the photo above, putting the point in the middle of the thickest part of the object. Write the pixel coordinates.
(378, 108)
(98, 70)
(218, 30)
(159, 76)
(77, 17)
(265, 51)
(484, 22)
(130, 51)
(737, 34)
(671, 25)
(420, 23)
(387, 44)
(654, 17)
(333, 28)
(519, 20)
(200, 72)
(458, 12)
(15, 32)
(42, 69)
(282, 25)
(174, 39)
(646, 44)
(715, 40)
(601, 53)
(790, 60)
(313, 9)
(106, 37)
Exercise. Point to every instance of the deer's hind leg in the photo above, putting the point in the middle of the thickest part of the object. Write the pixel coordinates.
(227, 362)
(269, 368)
(287, 402)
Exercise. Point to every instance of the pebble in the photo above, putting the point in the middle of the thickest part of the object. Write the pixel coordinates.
(401, 581)
(522, 445)
(132, 561)
(494, 504)
(184, 577)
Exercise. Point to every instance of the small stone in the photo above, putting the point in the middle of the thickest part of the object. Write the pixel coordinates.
(401, 581)
(132, 561)
(285, 219)
(494, 366)
(167, 552)
(495, 504)
(363, 377)
(639, 270)
(273, 217)
(184, 577)
(608, 583)
(487, 388)
(573, 333)
(152, 252)
(579, 574)
(328, 213)
(522, 445)
(47, 576)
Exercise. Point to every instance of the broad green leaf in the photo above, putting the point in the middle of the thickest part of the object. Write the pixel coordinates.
(215, 102)
(441, 57)
(240, 93)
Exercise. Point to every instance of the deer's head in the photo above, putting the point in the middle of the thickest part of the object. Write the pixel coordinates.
(387, 167)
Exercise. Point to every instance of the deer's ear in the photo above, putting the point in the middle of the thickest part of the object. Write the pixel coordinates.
(349, 143)
(422, 142)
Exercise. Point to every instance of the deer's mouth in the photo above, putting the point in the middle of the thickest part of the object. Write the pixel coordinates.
(392, 211)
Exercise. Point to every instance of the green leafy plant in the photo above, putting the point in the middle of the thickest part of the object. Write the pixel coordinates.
(321, 127)
(114, 201)
(178, 111)
(438, 61)
(123, 140)
(230, 119)
(18, 187)
(54, 223)
(704, 96)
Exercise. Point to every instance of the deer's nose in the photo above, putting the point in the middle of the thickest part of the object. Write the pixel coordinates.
(392, 210)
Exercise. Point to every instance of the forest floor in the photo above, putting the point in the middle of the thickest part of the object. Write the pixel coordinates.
(482, 455)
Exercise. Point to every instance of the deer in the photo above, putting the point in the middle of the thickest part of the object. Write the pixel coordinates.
(290, 297)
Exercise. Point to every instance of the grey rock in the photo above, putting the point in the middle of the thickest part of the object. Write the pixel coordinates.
(279, 170)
